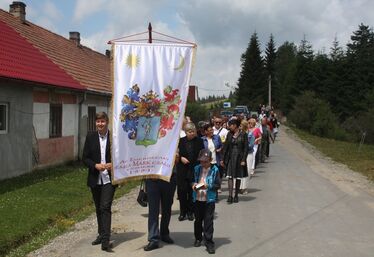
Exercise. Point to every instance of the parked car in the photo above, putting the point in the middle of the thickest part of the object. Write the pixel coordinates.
(226, 113)
(239, 109)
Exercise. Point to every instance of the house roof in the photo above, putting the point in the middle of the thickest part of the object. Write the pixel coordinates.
(20, 60)
(87, 67)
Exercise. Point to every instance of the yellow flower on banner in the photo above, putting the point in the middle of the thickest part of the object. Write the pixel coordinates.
(132, 61)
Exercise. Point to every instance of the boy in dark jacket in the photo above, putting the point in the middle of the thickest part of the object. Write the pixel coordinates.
(205, 183)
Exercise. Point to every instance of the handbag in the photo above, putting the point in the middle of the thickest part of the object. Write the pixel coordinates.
(142, 195)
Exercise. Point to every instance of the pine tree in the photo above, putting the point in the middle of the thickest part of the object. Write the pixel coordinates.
(252, 86)
(285, 68)
(270, 56)
(359, 70)
(304, 79)
(337, 52)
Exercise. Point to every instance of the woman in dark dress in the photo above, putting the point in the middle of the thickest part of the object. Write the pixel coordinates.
(235, 152)
(189, 148)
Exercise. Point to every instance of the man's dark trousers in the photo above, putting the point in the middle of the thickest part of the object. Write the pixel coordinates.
(159, 191)
(103, 198)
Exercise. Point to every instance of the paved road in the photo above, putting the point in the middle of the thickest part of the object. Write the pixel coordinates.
(291, 211)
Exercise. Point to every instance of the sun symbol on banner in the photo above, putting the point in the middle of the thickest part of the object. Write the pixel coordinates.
(132, 61)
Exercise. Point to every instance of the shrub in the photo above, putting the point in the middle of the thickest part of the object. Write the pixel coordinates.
(314, 115)
(196, 111)
(359, 124)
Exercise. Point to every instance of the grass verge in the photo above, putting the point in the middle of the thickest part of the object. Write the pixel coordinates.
(36, 207)
(358, 159)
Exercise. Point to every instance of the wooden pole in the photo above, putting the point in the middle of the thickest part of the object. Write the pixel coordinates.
(150, 33)
(270, 91)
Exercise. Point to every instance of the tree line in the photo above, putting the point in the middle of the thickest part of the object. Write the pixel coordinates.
(328, 94)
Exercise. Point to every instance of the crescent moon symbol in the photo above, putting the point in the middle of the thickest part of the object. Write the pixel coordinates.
(181, 64)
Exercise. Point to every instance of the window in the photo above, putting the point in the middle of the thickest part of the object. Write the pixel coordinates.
(55, 120)
(91, 126)
(4, 109)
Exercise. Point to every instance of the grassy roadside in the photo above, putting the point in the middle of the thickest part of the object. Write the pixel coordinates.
(347, 153)
(37, 207)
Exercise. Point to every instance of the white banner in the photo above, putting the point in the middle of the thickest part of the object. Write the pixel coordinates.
(149, 97)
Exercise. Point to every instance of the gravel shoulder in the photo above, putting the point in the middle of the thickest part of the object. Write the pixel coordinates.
(338, 173)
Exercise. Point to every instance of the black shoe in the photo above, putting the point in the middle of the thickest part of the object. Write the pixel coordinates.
(197, 243)
(191, 217)
(229, 200)
(97, 241)
(182, 217)
(210, 249)
(151, 246)
(106, 246)
(167, 239)
(236, 199)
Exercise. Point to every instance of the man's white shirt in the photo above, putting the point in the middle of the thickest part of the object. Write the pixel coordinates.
(104, 175)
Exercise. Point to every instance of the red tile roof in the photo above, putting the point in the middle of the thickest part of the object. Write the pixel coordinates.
(91, 69)
(20, 60)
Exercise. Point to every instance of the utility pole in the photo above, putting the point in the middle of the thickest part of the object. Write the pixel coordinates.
(269, 80)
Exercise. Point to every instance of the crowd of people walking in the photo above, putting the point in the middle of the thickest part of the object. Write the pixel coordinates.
(217, 149)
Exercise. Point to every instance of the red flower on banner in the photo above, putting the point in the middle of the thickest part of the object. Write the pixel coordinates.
(167, 122)
(161, 133)
(173, 108)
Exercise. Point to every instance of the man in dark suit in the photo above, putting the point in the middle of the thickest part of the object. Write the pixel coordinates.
(97, 157)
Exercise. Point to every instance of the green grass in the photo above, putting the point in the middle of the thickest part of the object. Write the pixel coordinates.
(38, 206)
(360, 160)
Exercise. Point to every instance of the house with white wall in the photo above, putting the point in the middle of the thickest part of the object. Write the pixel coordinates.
(50, 90)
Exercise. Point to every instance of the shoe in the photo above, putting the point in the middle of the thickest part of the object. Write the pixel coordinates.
(210, 249)
(106, 246)
(167, 239)
(229, 200)
(181, 217)
(151, 246)
(97, 241)
(191, 217)
(197, 243)
(236, 199)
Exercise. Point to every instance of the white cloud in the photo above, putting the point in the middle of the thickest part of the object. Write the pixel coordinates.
(85, 8)
(51, 11)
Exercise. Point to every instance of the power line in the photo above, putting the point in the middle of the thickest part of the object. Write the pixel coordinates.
(206, 89)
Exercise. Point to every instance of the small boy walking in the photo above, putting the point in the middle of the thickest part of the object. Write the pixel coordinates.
(204, 184)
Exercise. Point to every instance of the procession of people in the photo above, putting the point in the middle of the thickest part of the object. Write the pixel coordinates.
(206, 155)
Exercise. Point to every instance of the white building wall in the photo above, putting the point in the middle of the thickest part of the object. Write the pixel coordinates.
(41, 120)
(70, 123)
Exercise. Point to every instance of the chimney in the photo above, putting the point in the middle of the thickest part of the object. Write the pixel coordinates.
(107, 53)
(75, 37)
(18, 9)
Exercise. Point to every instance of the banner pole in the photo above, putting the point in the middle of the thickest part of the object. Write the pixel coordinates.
(150, 33)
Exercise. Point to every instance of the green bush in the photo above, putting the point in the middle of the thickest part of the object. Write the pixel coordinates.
(196, 111)
(359, 124)
(314, 115)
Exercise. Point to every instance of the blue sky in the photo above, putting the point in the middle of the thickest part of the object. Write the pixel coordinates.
(221, 28)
